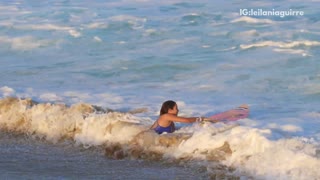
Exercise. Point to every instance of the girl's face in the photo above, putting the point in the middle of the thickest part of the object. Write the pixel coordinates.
(174, 110)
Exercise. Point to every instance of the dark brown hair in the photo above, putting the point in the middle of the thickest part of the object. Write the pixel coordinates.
(166, 106)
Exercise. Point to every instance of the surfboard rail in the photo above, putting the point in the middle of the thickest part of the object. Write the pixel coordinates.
(240, 112)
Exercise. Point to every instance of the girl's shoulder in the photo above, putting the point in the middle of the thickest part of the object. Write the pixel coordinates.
(166, 116)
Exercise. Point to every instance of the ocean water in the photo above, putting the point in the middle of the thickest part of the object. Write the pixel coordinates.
(62, 59)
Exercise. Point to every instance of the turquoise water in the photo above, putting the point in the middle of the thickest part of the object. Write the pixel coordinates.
(126, 55)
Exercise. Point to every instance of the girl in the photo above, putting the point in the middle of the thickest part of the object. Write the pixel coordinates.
(168, 115)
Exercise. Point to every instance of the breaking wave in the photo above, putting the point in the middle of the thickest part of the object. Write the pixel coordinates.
(230, 149)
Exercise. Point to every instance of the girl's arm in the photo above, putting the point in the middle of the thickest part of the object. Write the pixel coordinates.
(174, 118)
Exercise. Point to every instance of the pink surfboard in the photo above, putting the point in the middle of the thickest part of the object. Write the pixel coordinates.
(240, 112)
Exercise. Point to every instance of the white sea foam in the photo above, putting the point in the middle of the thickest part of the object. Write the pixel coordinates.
(74, 33)
(171, 41)
(247, 149)
(7, 91)
(309, 32)
(111, 98)
(252, 20)
(98, 129)
(136, 22)
(149, 32)
(288, 45)
(97, 39)
(252, 152)
(205, 46)
(286, 128)
(121, 42)
(97, 25)
(52, 97)
(220, 33)
(293, 51)
(99, 98)
(246, 34)
(47, 27)
(24, 43)
(12, 11)
(77, 96)
(8, 8)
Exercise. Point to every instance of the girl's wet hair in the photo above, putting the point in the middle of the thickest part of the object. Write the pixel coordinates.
(166, 106)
